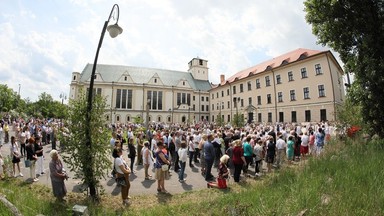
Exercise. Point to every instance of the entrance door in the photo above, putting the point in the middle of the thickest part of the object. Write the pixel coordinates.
(250, 117)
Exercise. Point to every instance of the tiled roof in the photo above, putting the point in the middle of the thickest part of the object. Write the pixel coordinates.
(141, 75)
(287, 58)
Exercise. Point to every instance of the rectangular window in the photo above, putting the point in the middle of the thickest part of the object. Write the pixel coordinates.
(228, 118)
(258, 100)
(318, 69)
(156, 98)
(278, 79)
(213, 107)
(118, 98)
(193, 98)
(234, 89)
(250, 100)
(280, 97)
(259, 117)
(202, 108)
(207, 99)
(281, 116)
(207, 107)
(193, 107)
(228, 105)
(292, 95)
(222, 93)
(321, 90)
(257, 83)
(202, 98)
(323, 115)
(267, 81)
(242, 103)
(241, 88)
(290, 76)
(293, 116)
(183, 98)
(129, 101)
(269, 117)
(308, 115)
(227, 91)
(249, 84)
(306, 93)
(217, 95)
(213, 96)
(269, 99)
(123, 99)
(222, 106)
(304, 73)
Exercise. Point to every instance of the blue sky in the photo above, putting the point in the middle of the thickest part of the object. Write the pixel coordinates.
(43, 42)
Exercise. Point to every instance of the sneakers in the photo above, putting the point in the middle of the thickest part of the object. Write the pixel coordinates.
(126, 202)
(15, 176)
(35, 180)
(182, 180)
(129, 197)
(21, 174)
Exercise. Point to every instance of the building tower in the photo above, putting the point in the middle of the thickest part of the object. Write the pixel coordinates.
(198, 68)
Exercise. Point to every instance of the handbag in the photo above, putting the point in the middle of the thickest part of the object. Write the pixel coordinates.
(121, 181)
(164, 167)
(27, 163)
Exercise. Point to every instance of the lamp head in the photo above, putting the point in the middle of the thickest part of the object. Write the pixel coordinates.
(114, 30)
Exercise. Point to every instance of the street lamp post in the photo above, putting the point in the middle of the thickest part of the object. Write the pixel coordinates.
(236, 100)
(113, 30)
(63, 97)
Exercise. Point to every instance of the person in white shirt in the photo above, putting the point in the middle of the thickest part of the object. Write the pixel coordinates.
(147, 160)
(122, 171)
(182, 152)
(281, 147)
(304, 148)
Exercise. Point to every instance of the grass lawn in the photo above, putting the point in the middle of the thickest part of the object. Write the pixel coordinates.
(346, 180)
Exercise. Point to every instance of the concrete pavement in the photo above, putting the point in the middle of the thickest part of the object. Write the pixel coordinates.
(139, 186)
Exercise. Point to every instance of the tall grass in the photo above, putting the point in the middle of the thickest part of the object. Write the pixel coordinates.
(345, 180)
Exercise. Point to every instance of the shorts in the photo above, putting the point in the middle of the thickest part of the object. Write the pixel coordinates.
(304, 149)
(15, 160)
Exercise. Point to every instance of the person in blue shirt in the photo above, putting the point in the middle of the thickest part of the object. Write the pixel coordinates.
(248, 152)
(209, 151)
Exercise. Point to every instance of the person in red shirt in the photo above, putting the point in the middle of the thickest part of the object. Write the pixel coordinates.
(238, 159)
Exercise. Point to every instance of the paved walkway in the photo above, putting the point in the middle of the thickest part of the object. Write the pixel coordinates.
(139, 185)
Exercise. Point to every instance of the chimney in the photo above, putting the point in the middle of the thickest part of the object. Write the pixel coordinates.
(222, 78)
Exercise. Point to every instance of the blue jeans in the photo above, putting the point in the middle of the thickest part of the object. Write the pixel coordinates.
(182, 169)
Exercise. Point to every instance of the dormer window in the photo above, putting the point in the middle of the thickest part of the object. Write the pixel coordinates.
(183, 83)
(95, 76)
(200, 62)
(125, 78)
(155, 80)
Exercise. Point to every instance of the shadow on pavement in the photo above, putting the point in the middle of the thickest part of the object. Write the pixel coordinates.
(148, 183)
(79, 188)
(111, 182)
(116, 191)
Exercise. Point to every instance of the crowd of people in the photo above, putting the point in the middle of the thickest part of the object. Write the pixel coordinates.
(230, 150)
(162, 149)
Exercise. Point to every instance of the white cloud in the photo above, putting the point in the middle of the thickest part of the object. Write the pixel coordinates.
(42, 46)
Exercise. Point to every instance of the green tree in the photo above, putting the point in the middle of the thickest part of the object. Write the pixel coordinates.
(355, 29)
(90, 163)
(238, 120)
(8, 98)
(219, 120)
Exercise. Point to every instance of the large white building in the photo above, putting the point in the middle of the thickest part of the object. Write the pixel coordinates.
(302, 85)
(173, 96)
